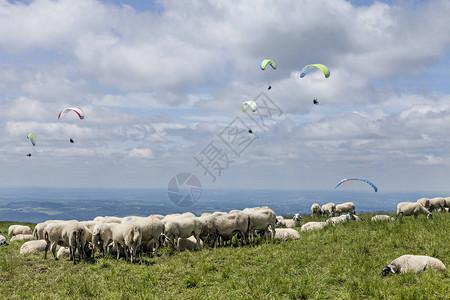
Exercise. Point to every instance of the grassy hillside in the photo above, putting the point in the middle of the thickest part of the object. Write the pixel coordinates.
(342, 262)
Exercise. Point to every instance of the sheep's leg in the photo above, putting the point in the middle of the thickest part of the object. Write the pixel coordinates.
(117, 250)
(46, 249)
(54, 251)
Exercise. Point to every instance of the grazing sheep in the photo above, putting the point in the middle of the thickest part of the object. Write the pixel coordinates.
(127, 234)
(316, 210)
(341, 219)
(284, 234)
(261, 219)
(348, 207)
(189, 244)
(38, 231)
(18, 229)
(414, 263)
(328, 209)
(66, 234)
(22, 237)
(3, 241)
(425, 202)
(102, 236)
(183, 227)
(152, 229)
(437, 204)
(228, 225)
(382, 218)
(209, 231)
(411, 208)
(33, 247)
(313, 226)
(295, 222)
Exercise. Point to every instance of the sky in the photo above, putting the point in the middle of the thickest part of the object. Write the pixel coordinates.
(162, 85)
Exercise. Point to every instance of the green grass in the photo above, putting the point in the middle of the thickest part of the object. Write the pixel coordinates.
(342, 262)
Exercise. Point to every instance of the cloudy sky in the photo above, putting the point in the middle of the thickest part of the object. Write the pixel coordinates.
(162, 84)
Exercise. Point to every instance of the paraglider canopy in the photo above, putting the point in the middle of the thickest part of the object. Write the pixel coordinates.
(251, 104)
(266, 62)
(76, 110)
(32, 138)
(308, 68)
(356, 178)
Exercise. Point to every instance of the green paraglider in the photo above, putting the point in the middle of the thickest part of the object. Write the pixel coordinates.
(311, 67)
(32, 138)
(266, 62)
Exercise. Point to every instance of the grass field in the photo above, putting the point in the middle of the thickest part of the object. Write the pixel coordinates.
(342, 262)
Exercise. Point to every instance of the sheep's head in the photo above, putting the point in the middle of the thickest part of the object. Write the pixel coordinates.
(386, 271)
(429, 216)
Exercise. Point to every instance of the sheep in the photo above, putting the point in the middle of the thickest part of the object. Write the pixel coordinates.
(345, 207)
(382, 218)
(189, 244)
(414, 263)
(228, 225)
(3, 241)
(152, 229)
(89, 224)
(157, 216)
(38, 231)
(447, 203)
(411, 208)
(341, 219)
(18, 229)
(67, 234)
(316, 210)
(261, 219)
(183, 227)
(127, 234)
(63, 252)
(33, 247)
(108, 219)
(208, 231)
(425, 202)
(22, 237)
(284, 234)
(102, 236)
(437, 204)
(295, 222)
(328, 209)
(313, 226)
(280, 222)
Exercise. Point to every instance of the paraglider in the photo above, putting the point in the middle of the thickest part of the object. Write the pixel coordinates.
(29, 154)
(355, 178)
(250, 131)
(251, 104)
(72, 141)
(76, 110)
(269, 87)
(32, 138)
(315, 102)
(309, 68)
(266, 62)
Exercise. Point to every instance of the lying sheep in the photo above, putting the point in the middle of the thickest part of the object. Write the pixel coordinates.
(328, 209)
(18, 229)
(23, 237)
(63, 252)
(382, 218)
(316, 211)
(127, 234)
(33, 247)
(414, 263)
(341, 219)
(295, 222)
(313, 226)
(280, 222)
(3, 241)
(348, 207)
(189, 244)
(284, 234)
(411, 208)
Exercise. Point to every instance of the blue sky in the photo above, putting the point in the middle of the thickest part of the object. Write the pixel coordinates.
(163, 82)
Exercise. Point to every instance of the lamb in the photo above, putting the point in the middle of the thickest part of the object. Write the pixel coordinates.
(33, 247)
(152, 229)
(22, 237)
(411, 208)
(382, 218)
(316, 210)
(313, 226)
(228, 225)
(284, 234)
(67, 234)
(3, 241)
(437, 204)
(261, 219)
(348, 207)
(414, 263)
(127, 234)
(328, 209)
(183, 227)
(18, 229)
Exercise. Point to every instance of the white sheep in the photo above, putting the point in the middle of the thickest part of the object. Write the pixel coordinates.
(63, 252)
(228, 225)
(3, 241)
(425, 202)
(18, 229)
(313, 226)
(414, 263)
(280, 222)
(108, 219)
(183, 227)
(23, 237)
(67, 234)
(33, 247)
(189, 244)
(316, 211)
(156, 216)
(295, 222)
(102, 236)
(328, 209)
(284, 234)
(382, 218)
(437, 203)
(348, 207)
(261, 219)
(152, 229)
(411, 208)
(127, 234)
(341, 219)
(38, 231)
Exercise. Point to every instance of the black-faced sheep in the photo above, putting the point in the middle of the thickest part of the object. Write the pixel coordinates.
(316, 211)
(414, 263)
